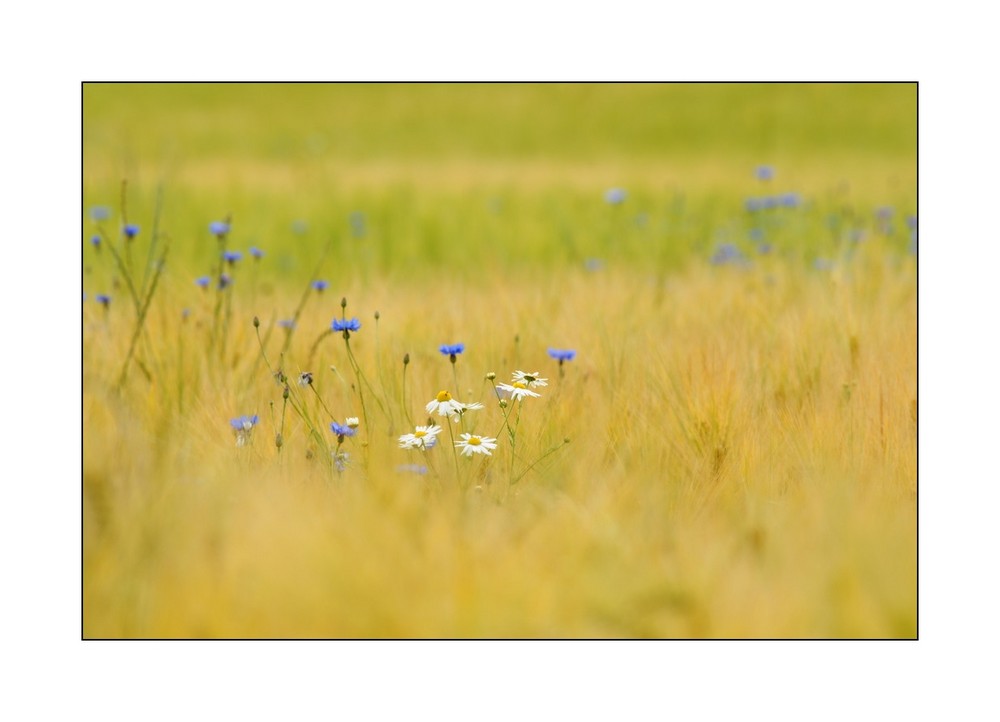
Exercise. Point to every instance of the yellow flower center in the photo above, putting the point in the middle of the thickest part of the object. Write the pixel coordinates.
(418, 434)
(474, 441)
(519, 385)
(443, 396)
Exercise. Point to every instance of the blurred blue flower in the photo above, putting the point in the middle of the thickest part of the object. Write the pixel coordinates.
(754, 204)
(822, 264)
(764, 248)
(225, 281)
(288, 323)
(218, 228)
(320, 286)
(453, 349)
(911, 222)
(790, 200)
(244, 423)
(232, 256)
(130, 230)
(593, 264)
(100, 213)
(103, 299)
(562, 355)
(202, 281)
(756, 234)
(411, 469)
(256, 253)
(357, 221)
(299, 227)
(614, 196)
(884, 213)
(346, 324)
(96, 241)
(726, 253)
(342, 429)
(764, 172)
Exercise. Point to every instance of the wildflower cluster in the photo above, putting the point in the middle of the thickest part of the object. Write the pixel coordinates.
(510, 397)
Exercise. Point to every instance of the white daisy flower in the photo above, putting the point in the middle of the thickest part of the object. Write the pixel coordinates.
(518, 390)
(352, 422)
(444, 404)
(425, 437)
(471, 444)
(532, 380)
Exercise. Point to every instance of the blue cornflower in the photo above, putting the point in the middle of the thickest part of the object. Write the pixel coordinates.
(754, 204)
(346, 324)
(562, 355)
(764, 172)
(911, 222)
(218, 228)
(202, 281)
(100, 213)
(130, 230)
(243, 425)
(320, 286)
(614, 196)
(103, 299)
(342, 430)
(232, 256)
(256, 253)
(96, 241)
(452, 351)
(224, 281)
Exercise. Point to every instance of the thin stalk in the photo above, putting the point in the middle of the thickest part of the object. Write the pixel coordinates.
(141, 320)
